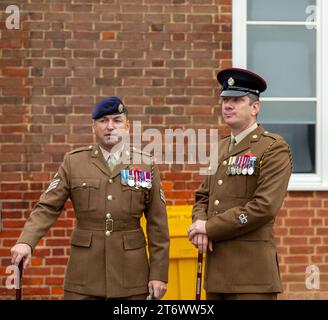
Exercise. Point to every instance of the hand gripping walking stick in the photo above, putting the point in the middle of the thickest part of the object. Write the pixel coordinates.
(19, 289)
(199, 275)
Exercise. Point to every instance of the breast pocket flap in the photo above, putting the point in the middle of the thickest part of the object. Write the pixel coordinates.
(81, 238)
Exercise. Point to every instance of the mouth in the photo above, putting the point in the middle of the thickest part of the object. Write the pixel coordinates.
(228, 115)
(109, 135)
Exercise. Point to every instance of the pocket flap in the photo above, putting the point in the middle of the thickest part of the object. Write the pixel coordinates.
(81, 238)
(134, 240)
(85, 183)
(128, 188)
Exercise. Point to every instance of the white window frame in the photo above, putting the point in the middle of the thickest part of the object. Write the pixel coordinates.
(299, 181)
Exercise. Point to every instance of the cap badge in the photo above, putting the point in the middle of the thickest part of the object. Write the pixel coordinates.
(120, 107)
(231, 81)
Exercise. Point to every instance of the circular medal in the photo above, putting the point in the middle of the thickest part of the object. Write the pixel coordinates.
(250, 170)
(131, 183)
(144, 184)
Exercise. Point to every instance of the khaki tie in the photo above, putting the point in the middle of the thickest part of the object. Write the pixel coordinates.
(232, 144)
(111, 163)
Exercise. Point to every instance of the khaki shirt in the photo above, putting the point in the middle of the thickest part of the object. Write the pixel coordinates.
(108, 264)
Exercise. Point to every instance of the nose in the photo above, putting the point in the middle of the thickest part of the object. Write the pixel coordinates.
(227, 104)
(110, 125)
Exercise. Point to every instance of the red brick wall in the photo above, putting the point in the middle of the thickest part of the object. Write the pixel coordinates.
(161, 57)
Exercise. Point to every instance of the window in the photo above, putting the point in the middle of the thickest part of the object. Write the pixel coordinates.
(283, 40)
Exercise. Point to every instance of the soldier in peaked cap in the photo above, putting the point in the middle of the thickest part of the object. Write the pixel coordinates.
(108, 248)
(235, 208)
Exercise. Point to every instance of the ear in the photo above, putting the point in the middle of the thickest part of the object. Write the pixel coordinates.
(256, 106)
(93, 126)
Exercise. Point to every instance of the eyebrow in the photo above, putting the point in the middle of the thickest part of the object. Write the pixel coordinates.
(118, 116)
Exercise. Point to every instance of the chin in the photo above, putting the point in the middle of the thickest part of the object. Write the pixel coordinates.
(229, 121)
(110, 141)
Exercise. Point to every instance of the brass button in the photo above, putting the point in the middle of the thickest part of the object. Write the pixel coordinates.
(84, 184)
(216, 212)
(110, 180)
(107, 233)
(254, 136)
(224, 162)
(266, 132)
(90, 147)
(216, 202)
(110, 197)
(108, 215)
(96, 152)
(220, 182)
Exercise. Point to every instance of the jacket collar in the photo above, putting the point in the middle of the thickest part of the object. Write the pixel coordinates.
(246, 143)
(99, 161)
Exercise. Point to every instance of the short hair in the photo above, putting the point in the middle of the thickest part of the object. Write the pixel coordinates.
(252, 98)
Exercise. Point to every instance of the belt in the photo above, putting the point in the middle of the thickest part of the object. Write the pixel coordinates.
(111, 225)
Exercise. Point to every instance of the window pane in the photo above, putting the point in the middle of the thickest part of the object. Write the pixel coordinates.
(281, 10)
(301, 138)
(302, 112)
(286, 57)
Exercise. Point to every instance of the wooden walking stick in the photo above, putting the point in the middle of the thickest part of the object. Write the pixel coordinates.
(19, 289)
(199, 275)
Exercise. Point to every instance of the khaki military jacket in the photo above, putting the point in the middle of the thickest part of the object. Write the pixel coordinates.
(108, 248)
(240, 211)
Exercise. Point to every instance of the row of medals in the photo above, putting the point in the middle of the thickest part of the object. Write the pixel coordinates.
(136, 178)
(241, 165)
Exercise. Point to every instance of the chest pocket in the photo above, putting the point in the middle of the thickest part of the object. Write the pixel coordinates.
(84, 194)
(241, 186)
(133, 200)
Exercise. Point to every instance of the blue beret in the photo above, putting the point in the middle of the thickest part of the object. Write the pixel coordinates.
(108, 106)
(238, 82)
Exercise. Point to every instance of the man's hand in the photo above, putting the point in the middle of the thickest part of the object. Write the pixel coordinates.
(198, 237)
(202, 243)
(21, 251)
(157, 288)
(196, 228)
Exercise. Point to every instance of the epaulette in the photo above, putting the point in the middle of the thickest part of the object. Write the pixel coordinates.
(86, 148)
(134, 149)
(274, 136)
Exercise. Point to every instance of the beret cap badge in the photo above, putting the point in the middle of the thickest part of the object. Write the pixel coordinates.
(231, 81)
(120, 108)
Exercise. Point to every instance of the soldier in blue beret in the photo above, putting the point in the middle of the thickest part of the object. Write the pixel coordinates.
(108, 247)
(109, 106)
(110, 117)
(236, 207)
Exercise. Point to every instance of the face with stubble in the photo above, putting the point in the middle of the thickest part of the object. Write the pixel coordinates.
(239, 112)
(108, 129)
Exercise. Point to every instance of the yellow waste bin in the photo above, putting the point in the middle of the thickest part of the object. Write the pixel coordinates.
(183, 256)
